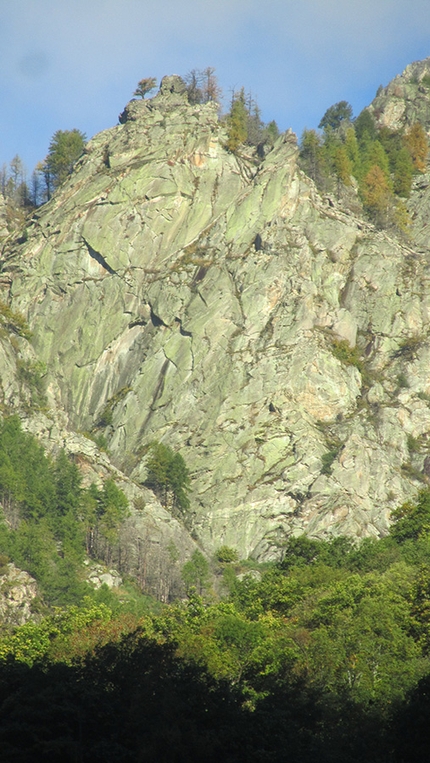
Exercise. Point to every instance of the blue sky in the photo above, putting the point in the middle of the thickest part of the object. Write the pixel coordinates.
(75, 63)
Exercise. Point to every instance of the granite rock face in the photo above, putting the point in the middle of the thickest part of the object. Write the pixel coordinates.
(17, 592)
(219, 304)
(406, 99)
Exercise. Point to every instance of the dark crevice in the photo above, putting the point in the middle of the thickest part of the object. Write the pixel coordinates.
(158, 391)
(137, 322)
(100, 259)
(199, 276)
(182, 331)
(258, 243)
(156, 320)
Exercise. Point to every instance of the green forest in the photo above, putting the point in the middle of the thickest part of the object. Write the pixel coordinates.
(323, 655)
(360, 162)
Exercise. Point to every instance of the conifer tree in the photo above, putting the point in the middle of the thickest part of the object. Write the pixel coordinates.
(335, 115)
(42, 171)
(202, 85)
(352, 150)
(65, 148)
(375, 155)
(210, 89)
(311, 155)
(195, 573)
(271, 131)
(365, 126)
(237, 122)
(168, 476)
(342, 167)
(402, 220)
(403, 173)
(255, 124)
(193, 81)
(331, 143)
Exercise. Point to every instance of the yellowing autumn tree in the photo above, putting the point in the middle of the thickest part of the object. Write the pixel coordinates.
(417, 144)
(145, 86)
(376, 193)
(342, 166)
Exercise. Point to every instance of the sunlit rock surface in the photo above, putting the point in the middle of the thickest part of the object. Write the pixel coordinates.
(208, 298)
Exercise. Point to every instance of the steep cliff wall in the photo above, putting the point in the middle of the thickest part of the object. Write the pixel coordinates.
(219, 304)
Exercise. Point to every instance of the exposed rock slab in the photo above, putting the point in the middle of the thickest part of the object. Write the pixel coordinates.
(206, 295)
(17, 592)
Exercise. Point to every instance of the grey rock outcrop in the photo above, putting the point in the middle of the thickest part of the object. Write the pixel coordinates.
(17, 592)
(406, 99)
(4, 227)
(99, 575)
(221, 305)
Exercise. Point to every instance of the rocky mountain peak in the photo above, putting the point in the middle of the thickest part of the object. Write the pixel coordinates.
(406, 99)
(172, 94)
(216, 302)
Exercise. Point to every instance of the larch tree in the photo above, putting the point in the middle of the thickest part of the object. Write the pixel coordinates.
(403, 173)
(193, 81)
(145, 86)
(210, 89)
(417, 144)
(342, 167)
(376, 194)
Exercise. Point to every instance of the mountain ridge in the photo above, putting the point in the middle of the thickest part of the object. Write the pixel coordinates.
(278, 341)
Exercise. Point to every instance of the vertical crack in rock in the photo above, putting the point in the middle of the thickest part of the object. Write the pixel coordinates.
(158, 391)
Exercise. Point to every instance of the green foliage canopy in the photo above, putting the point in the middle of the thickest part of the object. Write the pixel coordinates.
(168, 476)
(321, 655)
(65, 148)
(412, 520)
(335, 115)
(379, 163)
(237, 123)
(46, 516)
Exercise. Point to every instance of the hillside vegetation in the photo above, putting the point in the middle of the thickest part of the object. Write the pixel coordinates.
(221, 338)
(325, 655)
